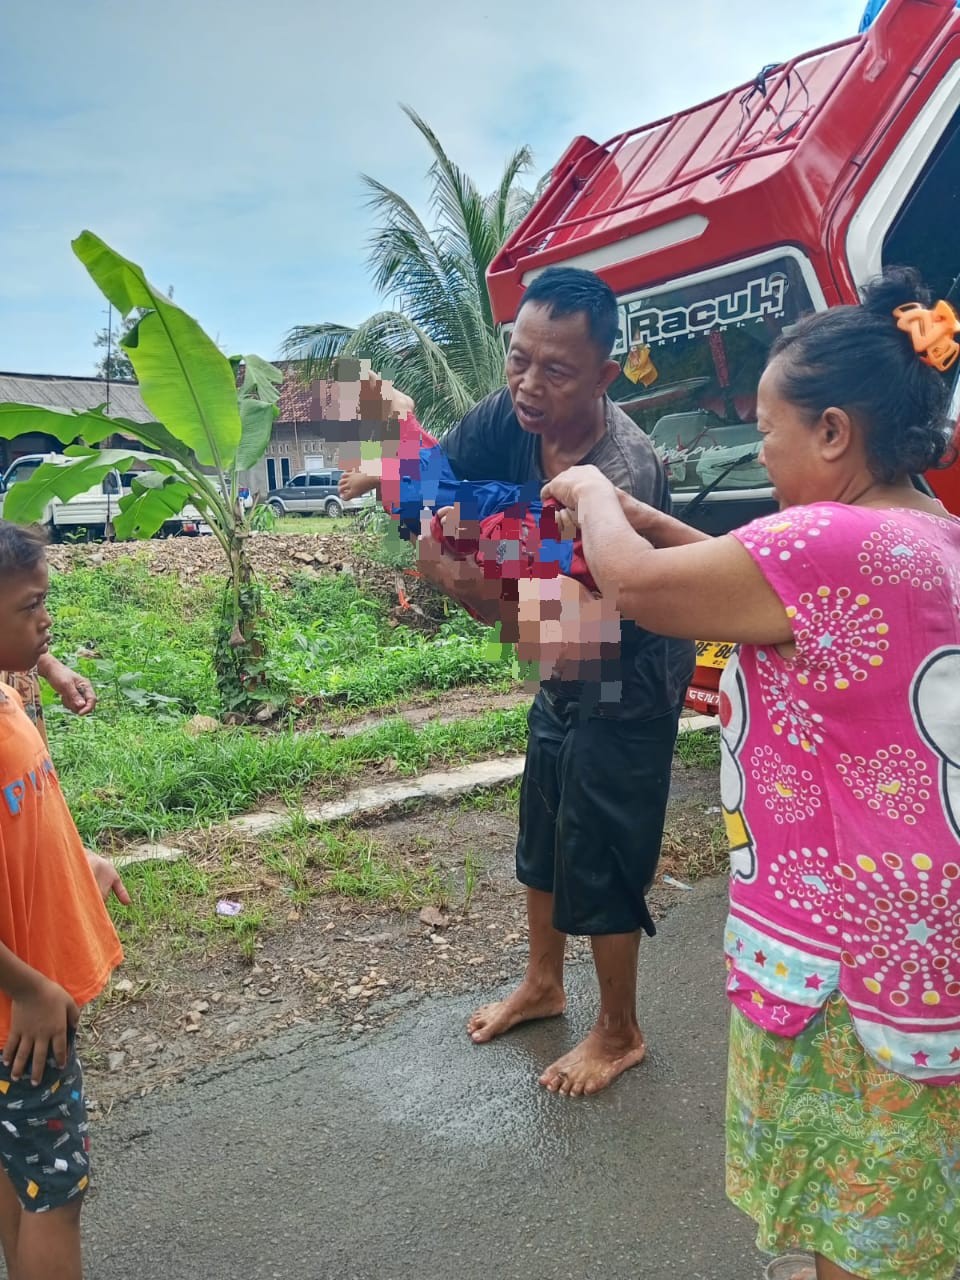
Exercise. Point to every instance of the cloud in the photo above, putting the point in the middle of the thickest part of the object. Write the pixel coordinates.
(222, 148)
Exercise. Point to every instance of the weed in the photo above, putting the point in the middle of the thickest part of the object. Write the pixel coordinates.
(472, 866)
(488, 799)
(699, 748)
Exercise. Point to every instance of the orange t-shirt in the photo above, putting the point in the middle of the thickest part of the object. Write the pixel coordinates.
(52, 916)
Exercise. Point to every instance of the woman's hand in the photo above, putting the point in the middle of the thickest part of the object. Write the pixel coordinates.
(641, 516)
(571, 486)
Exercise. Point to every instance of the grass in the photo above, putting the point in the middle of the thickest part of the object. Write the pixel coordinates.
(699, 749)
(131, 771)
(327, 641)
(135, 778)
(312, 524)
(491, 799)
(174, 904)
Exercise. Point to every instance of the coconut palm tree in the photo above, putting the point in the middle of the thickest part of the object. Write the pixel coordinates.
(440, 344)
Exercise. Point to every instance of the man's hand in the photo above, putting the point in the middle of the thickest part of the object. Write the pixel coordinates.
(75, 691)
(108, 878)
(570, 486)
(354, 484)
(40, 1020)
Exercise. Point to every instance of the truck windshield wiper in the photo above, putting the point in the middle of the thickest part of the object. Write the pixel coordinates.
(702, 494)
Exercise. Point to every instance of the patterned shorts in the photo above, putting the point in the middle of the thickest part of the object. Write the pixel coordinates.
(830, 1154)
(44, 1140)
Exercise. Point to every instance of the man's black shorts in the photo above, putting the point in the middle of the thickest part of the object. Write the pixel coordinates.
(592, 807)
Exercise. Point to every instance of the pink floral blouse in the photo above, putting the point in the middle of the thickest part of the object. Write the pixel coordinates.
(840, 784)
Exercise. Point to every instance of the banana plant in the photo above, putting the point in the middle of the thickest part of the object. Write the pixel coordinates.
(206, 431)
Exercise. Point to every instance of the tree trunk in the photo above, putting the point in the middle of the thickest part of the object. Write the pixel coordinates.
(240, 648)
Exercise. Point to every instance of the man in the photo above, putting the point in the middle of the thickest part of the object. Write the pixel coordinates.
(597, 774)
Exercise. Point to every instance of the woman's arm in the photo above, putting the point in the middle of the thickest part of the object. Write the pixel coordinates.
(708, 588)
(656, 526)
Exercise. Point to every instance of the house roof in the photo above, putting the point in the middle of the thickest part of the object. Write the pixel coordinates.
(354, 392)
(74, 393)
(334, 400)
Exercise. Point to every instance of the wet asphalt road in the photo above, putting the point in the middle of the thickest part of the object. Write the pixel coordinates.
(413, 1153)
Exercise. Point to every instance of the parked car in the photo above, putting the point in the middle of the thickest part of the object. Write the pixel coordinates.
(313, 493)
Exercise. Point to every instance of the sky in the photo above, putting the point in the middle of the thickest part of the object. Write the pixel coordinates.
(221, 145)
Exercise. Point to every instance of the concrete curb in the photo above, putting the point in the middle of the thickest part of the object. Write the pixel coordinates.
(380, 799)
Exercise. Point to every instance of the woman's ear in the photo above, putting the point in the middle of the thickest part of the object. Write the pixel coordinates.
(835, 433)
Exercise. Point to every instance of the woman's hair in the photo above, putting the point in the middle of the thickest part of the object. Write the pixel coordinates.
(22, 547)
(856, 359)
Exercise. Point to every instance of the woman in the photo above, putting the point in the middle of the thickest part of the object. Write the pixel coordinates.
(840, 785)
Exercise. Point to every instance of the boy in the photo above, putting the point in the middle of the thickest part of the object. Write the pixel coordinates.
(57, 950)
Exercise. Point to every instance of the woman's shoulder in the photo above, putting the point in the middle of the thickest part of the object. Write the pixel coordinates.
(836, 522)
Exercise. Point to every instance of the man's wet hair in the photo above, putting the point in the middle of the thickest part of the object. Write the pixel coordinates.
(570, 291)
(22, 547)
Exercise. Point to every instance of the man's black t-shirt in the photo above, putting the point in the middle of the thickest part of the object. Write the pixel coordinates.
(489, 444)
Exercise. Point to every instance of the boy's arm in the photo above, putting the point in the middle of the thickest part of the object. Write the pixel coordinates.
(41, 1017)
(75, 691)
(108, 878)
(354, 484)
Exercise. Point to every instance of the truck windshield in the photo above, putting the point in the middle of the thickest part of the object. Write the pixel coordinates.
(21, 471)
(691, 357)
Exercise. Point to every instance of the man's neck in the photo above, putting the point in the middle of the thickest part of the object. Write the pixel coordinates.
(568, 448)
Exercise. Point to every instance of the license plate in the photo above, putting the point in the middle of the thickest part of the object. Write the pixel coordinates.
(714, 655)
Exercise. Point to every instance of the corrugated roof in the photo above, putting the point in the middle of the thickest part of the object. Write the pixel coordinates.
(74, 393)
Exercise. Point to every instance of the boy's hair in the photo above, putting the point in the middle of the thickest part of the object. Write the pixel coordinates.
(22, 547)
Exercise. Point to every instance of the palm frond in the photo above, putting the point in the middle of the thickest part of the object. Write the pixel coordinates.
(315, 347)
(439, 345)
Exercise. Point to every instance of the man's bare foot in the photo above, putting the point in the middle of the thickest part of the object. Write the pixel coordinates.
(526, 1004)
(594, 1063)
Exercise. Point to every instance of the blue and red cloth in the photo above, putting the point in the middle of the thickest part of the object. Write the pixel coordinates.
(517, 534)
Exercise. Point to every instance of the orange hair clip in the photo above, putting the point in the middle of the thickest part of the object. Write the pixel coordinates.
(932, 332)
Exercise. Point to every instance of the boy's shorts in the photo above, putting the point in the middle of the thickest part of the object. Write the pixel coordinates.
(44, 1139)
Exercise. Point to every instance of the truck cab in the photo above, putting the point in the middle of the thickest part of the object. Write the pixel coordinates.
(720, 226)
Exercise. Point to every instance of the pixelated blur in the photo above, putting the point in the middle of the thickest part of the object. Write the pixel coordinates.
(514, 562)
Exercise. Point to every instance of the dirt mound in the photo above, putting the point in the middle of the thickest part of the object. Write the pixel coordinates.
(277, 558)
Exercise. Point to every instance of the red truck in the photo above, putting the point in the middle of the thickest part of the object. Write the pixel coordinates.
(719, 226)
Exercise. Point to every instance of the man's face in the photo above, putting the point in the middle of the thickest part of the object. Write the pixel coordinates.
(24, 621)
(555, 372)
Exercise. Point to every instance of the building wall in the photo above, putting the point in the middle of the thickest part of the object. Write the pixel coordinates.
(301, 447)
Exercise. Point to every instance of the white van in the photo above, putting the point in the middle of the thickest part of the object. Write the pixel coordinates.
(87, 514)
